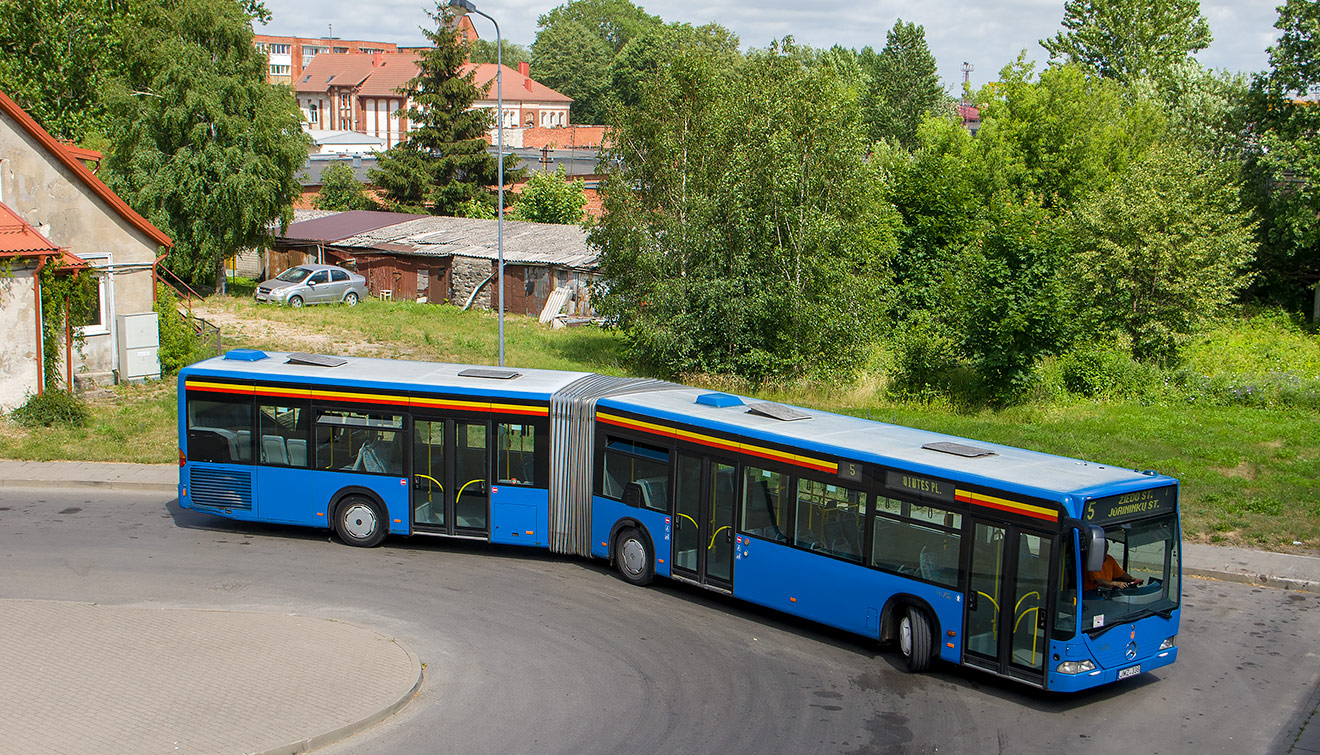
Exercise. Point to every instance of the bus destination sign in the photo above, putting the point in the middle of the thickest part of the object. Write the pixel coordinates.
(1141, 503)
(923, 486)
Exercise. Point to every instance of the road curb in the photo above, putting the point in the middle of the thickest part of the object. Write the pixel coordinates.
(348, 730)
(1263, 580)
(154, 487)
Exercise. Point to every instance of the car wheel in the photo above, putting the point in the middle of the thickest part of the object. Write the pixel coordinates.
(351, 298)
(295, 301)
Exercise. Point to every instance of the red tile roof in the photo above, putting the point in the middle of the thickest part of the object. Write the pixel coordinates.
(517, 87)
(19, 239)
(11, 108)
(395, 70)
(333, 70)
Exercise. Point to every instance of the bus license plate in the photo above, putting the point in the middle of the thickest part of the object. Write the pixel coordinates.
(1125, 673)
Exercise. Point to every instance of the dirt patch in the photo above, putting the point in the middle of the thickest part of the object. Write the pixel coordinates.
(1244, 470)
(239, 330)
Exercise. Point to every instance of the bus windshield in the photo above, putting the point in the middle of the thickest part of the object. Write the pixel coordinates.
(1147, 550)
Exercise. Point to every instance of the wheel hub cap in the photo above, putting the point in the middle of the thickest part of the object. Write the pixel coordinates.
(359, 521)
(634, 556)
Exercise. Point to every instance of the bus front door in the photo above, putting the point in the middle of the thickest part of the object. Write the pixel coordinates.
(1007, 587)
(703, 521)
(451, 486)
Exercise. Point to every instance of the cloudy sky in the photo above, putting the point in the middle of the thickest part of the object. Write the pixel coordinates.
(987, 34)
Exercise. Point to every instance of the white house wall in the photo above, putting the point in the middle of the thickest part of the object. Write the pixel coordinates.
(18, 349)
(46, 194)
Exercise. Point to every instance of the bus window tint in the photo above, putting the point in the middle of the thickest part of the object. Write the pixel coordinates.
(283, 440)
(220, 429)
(765, 504)
(830, 518)
(928, 550)
(515, 455)
(1065, 614)
(359, 442)
(644, 464)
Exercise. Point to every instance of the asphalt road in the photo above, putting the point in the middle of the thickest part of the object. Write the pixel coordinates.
(528, 652)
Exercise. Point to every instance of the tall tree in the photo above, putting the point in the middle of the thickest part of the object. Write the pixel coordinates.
(341, 191)
(484, 51)
(575, 45)
(1162, 251)
(570, 59)
(444, 161)
(1121, 39)
(57, 57)
(743, 231)
(904, 86)
(204, 147)
(1284, 162)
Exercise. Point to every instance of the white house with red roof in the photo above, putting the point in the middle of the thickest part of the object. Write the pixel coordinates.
(361, 93)
(56, 208)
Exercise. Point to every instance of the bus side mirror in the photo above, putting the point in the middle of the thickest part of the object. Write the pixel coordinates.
(632, 495)
(1093, 540)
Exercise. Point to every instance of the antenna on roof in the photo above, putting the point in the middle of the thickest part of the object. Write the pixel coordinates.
(331, 34)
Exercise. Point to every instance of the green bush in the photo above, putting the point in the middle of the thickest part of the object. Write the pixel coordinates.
(51, 409)
(1094, 371)
(923, 361)
(179, 345)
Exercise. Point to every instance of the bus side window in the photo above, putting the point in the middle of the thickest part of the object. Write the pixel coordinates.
(283, 435)
(642, 463)
(765, 497)
(220, 429)
(516, 454)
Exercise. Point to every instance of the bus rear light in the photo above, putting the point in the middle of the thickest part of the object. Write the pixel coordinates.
(1170, 643)
(1075, 667)
(183, 458)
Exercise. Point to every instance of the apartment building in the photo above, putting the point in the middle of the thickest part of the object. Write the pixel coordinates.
(287, 57)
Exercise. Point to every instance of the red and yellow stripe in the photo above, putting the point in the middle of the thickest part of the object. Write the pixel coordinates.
(710, 441)
(1003, 504)
(358, 397)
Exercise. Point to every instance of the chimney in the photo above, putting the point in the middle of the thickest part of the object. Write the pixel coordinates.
(525, 68)
(375, 59)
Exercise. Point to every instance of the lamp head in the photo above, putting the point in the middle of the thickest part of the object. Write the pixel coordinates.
(462, 7)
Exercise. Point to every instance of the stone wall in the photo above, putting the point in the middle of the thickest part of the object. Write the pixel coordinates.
(466, 273)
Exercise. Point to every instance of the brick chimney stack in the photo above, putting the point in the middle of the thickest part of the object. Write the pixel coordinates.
(525, 68)
(375, 59)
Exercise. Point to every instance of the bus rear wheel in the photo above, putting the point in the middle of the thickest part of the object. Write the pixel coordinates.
(359, 522)
(914, 640)
(632, 554)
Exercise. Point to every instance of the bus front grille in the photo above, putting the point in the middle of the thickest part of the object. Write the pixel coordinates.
(222, 488)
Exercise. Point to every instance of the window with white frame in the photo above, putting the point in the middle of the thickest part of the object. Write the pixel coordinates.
(98, 310)
(279, 49)
(313, 112)
(279, 70)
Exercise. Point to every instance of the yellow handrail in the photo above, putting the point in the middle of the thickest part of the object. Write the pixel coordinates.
(1024, 597)
(460, 490)
(432, 479)
(690, 519)
(712, 537)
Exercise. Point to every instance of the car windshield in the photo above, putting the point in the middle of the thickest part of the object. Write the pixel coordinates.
(293, 274)
(1147, 550)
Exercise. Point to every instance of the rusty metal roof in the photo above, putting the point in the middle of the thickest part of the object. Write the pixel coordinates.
(343, 225)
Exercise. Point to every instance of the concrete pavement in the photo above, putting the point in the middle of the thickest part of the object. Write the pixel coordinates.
(82, 677)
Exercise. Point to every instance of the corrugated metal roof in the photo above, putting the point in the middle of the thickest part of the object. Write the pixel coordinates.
(524, 243)
(342, 225)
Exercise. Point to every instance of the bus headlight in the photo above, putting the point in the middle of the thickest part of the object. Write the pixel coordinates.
(1170, 643)
(1075, 667)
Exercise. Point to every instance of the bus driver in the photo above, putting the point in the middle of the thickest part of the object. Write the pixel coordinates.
(1111, 575)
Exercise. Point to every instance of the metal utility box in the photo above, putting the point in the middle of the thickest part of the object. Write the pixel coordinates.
(139, 346)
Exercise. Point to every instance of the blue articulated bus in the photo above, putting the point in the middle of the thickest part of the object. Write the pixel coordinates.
(974, 553)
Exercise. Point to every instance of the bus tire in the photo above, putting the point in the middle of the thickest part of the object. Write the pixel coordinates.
(359, 523)
(914, 639)
(632, 554)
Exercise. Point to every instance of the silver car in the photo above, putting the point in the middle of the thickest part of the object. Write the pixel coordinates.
(313, 284)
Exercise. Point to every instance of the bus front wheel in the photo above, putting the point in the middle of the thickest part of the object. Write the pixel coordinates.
(359, 522)
(632, 554)
(914, 640)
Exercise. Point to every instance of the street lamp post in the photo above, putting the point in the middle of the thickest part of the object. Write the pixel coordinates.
(463, 7)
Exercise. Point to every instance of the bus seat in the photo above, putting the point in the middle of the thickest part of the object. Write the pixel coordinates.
(273, 450)
(369, 458)
(297, 448)
(242, 443)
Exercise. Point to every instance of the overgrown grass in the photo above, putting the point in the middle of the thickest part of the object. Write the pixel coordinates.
(1249, 471)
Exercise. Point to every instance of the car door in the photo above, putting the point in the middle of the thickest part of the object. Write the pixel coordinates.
(318, 287)
(338, 285)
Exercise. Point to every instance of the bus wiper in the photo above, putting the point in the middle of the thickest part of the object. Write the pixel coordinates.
(1166, 613)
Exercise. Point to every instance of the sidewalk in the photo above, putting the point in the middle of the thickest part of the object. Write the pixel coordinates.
(83, 677)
